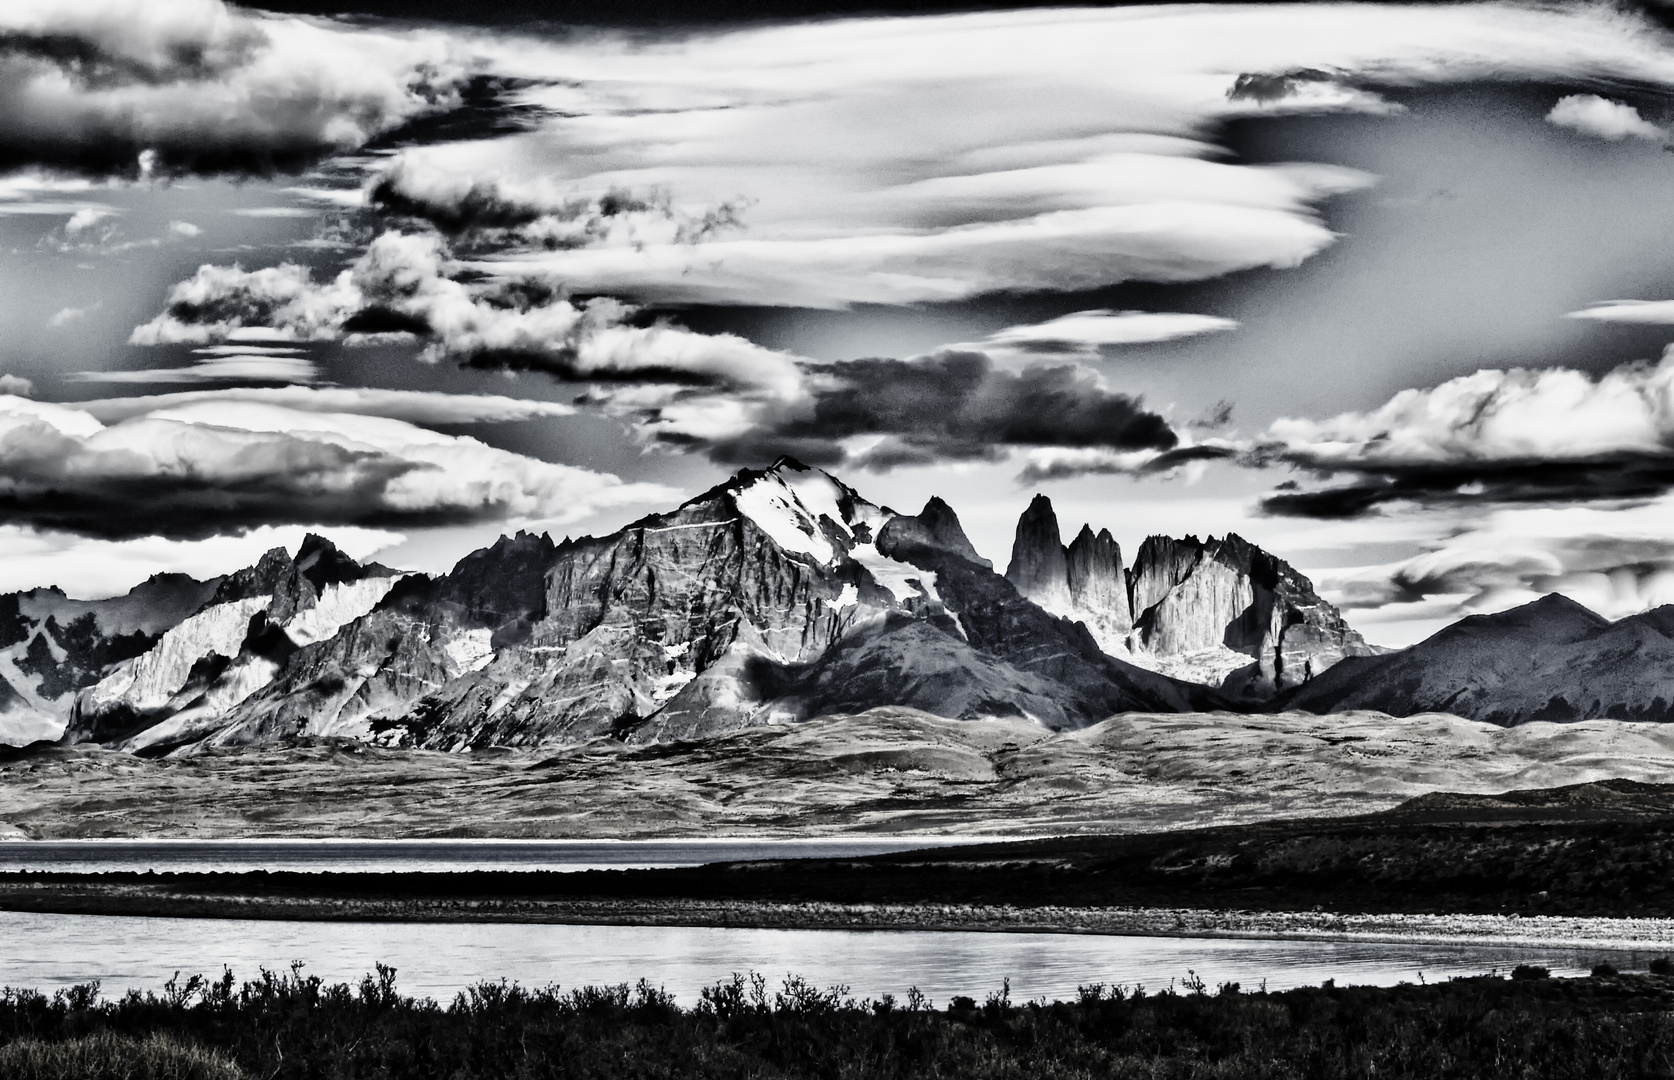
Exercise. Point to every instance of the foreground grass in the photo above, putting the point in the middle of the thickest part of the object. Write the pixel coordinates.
(108, 1056)
(291, 1025)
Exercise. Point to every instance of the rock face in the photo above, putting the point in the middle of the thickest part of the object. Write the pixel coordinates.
(777, 596)
(1548, 660)
(1220, 612)
(52, 647)
(1083, 582)
(1039, 567)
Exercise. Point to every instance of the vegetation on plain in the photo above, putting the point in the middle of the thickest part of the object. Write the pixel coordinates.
(293, 1025)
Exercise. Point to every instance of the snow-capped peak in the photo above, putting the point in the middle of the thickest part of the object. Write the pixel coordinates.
(789, 502)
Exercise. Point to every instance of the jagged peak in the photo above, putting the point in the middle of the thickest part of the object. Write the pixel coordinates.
(1040, 506)
(1038, 567)
(936, 527)
(313, 546)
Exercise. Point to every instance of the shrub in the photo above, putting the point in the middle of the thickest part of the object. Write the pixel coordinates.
(1529, 971)
(108, 1056)
(1662, 965)
(1604, 970)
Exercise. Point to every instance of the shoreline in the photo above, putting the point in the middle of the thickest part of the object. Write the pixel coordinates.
(143, 900)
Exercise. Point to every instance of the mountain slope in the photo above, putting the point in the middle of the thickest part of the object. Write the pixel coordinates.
(1551, 659)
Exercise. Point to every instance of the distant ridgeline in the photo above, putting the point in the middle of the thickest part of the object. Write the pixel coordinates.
(777, 596)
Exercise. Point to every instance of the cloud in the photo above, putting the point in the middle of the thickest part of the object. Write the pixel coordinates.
(84, 219)
(1512, 435)
(16, 386)
(1084, 334)
(1094, 162)
(402, 286)
(184, 229)
(1603, 118)
(68, 315)
(1058, 251)
(426, 408)
(1617, 559)
(1652, 312)
(952, 406)
(1064, 463)
(193, 469)
(535, 212)
(251, 367)
(200, 86)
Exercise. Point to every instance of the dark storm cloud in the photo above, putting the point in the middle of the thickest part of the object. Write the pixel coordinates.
(953, 406)
(1528, 482)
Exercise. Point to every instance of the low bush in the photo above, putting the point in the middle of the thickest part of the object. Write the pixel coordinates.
(1523, 972)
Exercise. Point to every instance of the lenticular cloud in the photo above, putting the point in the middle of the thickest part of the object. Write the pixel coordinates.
(191, 469)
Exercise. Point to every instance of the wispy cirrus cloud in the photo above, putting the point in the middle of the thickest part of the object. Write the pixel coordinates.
(241, 367)
(425, 408)
(1647, 312)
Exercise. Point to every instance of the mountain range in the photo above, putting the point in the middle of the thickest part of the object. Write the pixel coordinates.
(775, 597)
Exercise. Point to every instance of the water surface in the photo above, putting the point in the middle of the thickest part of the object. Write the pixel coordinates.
(409, 856)
(439, 959)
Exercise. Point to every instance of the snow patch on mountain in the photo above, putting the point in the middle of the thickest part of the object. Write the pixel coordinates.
(340, 604)
(1209, 667)
(903, 580)
(245, 677)
(468, 650)
(778, 510)
(147, 682)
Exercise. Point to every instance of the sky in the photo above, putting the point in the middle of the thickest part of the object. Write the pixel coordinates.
(1385, 289)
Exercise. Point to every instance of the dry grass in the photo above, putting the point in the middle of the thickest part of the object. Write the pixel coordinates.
(109, 1056)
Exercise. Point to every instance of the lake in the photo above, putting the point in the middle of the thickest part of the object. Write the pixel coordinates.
(439, 959)
(410, 856)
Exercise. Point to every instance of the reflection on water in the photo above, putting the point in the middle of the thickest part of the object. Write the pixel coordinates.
(438, 959)
(409, 856)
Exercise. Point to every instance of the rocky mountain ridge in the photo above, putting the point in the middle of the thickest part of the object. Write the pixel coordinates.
(777, 596)
(1220, 612)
